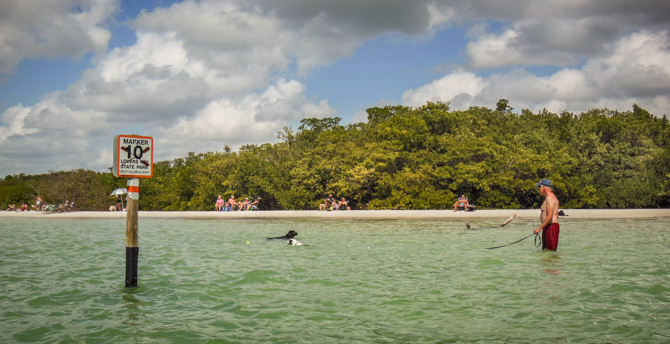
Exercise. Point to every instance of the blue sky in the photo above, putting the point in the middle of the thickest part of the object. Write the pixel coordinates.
(383, 68)
(199, 75)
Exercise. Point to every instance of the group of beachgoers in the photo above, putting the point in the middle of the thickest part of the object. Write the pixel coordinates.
(330, 203)
(41, 206)
(232, 205)
(22, 207)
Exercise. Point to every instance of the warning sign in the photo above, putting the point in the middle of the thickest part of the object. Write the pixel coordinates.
(133, 156)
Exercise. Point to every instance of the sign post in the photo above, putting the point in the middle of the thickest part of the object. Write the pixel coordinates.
(132, 247)
(133, 158)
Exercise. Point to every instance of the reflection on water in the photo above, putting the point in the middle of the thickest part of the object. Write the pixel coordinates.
(551, 263)
(132, 306)
(358, 281)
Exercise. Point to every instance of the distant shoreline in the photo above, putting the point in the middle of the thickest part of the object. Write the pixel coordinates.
(501, 214)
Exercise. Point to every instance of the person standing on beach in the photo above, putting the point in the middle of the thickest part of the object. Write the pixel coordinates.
(548, 216)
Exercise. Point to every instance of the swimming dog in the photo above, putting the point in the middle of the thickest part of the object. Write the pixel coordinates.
(290, 235)
(294, 242)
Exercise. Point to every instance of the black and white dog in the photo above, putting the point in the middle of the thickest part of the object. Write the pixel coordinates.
(290, 235)
(294, 242)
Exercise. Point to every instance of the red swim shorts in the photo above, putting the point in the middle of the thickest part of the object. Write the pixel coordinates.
(550, 237)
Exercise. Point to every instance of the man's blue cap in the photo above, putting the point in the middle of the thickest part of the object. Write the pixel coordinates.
(544, 182)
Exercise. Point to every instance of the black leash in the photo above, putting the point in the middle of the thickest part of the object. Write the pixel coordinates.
(537, 243)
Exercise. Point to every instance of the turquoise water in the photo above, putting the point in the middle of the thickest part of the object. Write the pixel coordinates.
(62, 281)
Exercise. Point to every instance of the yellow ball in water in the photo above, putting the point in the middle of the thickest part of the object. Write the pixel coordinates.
(248, 242)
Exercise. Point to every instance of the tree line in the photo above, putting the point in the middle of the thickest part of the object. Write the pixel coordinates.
(406, 158)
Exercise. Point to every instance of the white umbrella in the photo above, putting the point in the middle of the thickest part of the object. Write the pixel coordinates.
(119, 191)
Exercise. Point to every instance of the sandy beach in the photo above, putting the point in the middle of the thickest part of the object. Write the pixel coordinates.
(501, 214)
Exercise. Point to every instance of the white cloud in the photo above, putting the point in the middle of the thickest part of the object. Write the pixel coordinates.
(14, 119)
(563, 33)
(639, 65)
(58, 137)
(256, 118)
(553, 42)
(636, 71)
(264, 36)
(153, 80)
(203, 74)
(58, 28)
(50, 136)
(458, 87)
(200, 75)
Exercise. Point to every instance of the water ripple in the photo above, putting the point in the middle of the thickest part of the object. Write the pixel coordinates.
(358, 281)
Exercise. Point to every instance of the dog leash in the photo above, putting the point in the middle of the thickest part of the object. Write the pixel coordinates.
(537, 243)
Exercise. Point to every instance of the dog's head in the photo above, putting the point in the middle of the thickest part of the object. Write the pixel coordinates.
(291, 234)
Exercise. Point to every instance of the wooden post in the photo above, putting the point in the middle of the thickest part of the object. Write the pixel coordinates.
(508, 220)
(133, 158)
(132, 248)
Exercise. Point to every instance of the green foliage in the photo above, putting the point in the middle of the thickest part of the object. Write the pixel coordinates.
(407, 158)
(17, 189)
(88, 190)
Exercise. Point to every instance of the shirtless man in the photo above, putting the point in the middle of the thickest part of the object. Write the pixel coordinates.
(230, 205)
(328, 203)
(548, 216)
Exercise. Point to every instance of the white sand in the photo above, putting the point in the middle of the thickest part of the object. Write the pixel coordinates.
(501, 214)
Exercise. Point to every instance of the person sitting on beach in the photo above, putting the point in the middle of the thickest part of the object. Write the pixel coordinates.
(24, 207)
(219, 203)
(64, 207)
(328, 203)
(253, 205)
(243, 205)
(230, 205)
(462, 203)
(343, 204)
(11, 207)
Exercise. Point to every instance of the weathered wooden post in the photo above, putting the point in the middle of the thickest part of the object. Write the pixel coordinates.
(132, 247)
(131, 161)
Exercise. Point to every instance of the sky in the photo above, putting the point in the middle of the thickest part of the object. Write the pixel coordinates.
(201, 75)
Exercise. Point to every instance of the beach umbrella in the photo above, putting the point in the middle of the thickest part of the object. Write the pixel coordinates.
(119, 191)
